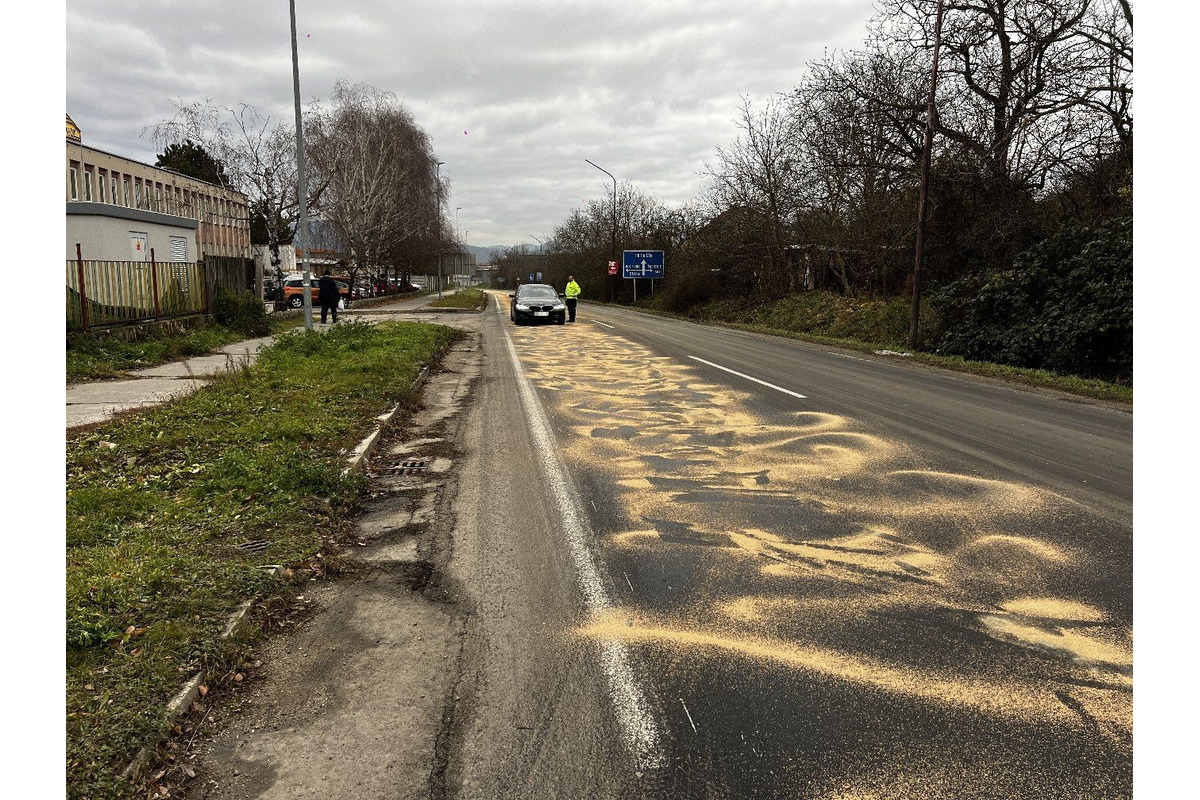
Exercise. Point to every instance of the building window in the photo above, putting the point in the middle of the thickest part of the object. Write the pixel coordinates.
(103, 197)
(74, 183)
(127, 191)
(116, 179)
(137, 192)
(87, 185)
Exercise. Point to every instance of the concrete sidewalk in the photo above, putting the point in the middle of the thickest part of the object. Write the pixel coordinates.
(89, 403)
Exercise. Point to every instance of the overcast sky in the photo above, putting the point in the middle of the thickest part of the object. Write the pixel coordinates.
(514, 95)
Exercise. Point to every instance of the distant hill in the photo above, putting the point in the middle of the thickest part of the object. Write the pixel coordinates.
(483, 254)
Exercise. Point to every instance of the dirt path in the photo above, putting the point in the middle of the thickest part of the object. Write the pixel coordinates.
(352, 703)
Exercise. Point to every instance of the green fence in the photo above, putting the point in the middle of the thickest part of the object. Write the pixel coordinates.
(119, 292)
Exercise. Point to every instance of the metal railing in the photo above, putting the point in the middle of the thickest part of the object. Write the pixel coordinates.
(103, 293)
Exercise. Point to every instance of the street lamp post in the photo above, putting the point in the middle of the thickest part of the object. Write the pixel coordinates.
(612, 283)
(438, 169)
(301, 175)
(457, 245)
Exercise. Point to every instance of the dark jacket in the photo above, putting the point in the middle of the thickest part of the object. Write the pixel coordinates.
(328, 289)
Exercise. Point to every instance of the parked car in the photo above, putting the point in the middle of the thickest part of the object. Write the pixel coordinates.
(293, 291)
(536, 302)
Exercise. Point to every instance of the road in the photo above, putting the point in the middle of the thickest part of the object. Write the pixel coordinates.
(705, 563)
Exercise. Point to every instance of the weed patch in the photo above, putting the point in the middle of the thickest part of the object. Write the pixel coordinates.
(159, 506)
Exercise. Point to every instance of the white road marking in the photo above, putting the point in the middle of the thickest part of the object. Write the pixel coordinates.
(629, 701)
(749, 378)
(689, 715)
(605, 324)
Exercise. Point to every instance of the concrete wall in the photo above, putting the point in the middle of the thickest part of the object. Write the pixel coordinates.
(104, 232)
(287, 258)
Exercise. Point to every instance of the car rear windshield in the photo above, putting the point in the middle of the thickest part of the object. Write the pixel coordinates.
(538, 293)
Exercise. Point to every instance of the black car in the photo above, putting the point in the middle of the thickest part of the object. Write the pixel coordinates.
(536, 302)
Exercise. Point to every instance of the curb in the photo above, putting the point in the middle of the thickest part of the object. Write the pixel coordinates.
(419, 310)
(358, 459)
(183, 699)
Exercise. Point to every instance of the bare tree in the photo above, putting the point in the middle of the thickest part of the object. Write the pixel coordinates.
(258, 154)
(376, 170)
(760, 172)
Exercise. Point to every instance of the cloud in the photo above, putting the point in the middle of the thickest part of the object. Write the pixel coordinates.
(645, 88)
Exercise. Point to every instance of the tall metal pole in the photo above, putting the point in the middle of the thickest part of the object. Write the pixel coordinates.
(613, 283)
(926, 157)
(302, 176)
(438, 168)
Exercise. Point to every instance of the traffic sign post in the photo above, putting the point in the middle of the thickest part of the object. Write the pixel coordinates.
(642, 264)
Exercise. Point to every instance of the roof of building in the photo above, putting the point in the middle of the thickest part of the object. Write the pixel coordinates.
(77, 140)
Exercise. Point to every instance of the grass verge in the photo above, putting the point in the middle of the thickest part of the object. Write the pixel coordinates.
(92, 358)
(158, 504)
(473, 299)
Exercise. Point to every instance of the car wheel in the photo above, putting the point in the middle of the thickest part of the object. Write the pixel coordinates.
(561, 320)
(295, 301)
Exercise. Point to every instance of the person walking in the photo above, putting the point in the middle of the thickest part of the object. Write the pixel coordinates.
(572, 293)
(327, 290)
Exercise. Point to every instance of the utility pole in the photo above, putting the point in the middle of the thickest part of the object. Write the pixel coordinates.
(926, 157)
(612, 283)
(302, 177)
(438, 175)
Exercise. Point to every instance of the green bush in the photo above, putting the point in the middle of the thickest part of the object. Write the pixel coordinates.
(241, 312)
(1065, 305)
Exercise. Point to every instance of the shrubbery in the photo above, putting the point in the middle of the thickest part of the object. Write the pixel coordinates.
(242, 312)
(1065, 305)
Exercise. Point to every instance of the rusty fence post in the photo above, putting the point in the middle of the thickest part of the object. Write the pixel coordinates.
(154, 282)
(82, 293)
(204, 283)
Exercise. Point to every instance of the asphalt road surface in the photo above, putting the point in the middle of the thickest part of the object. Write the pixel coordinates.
(708, 563)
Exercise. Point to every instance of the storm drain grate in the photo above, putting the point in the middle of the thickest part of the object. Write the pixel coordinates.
(411, 467)
(255, 546)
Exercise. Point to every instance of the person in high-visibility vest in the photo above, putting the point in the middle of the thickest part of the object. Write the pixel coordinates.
(572, 293)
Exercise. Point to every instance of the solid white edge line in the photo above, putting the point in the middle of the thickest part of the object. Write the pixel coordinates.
(629, 702)
(749, 378)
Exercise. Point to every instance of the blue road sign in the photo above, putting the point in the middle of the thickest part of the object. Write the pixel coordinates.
(643, 264)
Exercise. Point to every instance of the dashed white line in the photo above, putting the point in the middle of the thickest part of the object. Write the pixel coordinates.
(629, 701)
(689, 715)
(749, 377)
(605, 324)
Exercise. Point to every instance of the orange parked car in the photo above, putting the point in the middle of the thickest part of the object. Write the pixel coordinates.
(293, 291)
